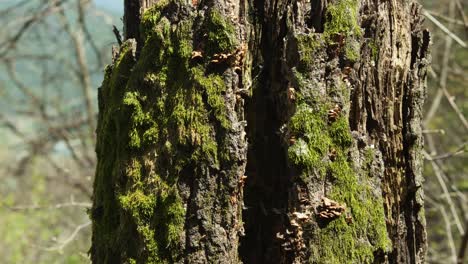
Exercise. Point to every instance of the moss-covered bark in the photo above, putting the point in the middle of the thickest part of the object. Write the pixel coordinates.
(171, 147)
(331, 94)
(332, 98)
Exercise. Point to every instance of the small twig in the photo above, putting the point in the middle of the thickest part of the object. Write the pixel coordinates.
(50, 207)
(454, 106)
(8, 45)
(448, 19)
(443, 74)
(448, 231)
(448, 198)
(117, 34)
(445, 29)
(461, 149)
(462, 13)
(67, 241)
(83, 73)
(82, 9)
(433, 131)
(434, 106)
(4, 121)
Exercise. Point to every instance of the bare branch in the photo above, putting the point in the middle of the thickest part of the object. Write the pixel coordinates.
(448, 198)
(434, 131)
(61, 245)
(49, 207)
(446, 18)
(462, 13)
(448, 231)
(83, 73)
(461, 149)
(454, 106)
(443, 75)
(37, 16)
(444, 29)
(82, 4)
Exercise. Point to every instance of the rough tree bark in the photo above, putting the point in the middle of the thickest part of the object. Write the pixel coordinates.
(262, 132)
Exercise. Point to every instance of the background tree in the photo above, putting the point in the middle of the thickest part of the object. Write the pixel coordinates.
(328, 96)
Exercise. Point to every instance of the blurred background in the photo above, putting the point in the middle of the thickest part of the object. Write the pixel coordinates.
(52, 57)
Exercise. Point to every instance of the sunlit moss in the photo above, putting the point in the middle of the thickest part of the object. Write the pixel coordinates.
(342, 28)
(312, 144)
(340, 241)
(342, 19)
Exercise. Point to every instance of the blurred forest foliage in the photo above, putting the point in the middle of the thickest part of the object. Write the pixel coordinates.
(52, 57)
(446, 131)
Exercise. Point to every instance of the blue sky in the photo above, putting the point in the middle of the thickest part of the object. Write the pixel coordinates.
(112, 5)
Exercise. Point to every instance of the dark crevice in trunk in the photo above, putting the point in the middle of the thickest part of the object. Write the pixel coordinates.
(316, 17)
(132, 19)
(266, 190)
(133, 10)
(265, 193)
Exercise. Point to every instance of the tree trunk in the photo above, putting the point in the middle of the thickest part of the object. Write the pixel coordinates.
(262, 132)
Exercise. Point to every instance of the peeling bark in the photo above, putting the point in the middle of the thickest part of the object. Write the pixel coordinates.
(328, 95)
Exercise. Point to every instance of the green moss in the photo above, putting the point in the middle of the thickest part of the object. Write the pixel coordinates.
(151, 17)
(342, 19)
(374, 50)
(138, 204)
(308, 44)
(315, 138)
(342, 28)
(307, 125)
(214, 86)
(339, 241)
(172, 214)
(365, 205)
(147, 234)
(139, 118)
(338, 244)
(133, 170)
(340, 134)
(368, 156)
(221, 36)
(111, 132)
(352, 50)
(115, 80)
